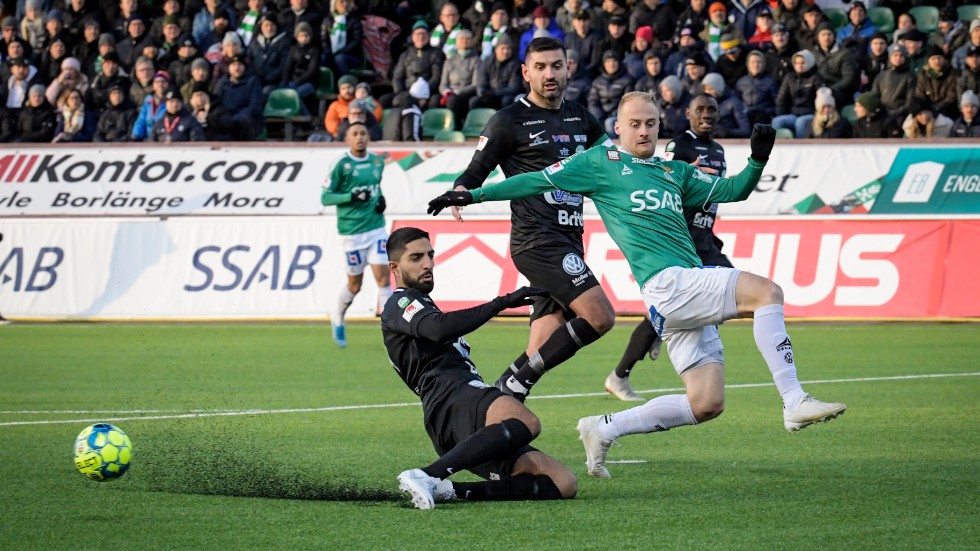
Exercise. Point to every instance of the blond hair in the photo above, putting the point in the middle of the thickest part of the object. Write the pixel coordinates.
(648, 97)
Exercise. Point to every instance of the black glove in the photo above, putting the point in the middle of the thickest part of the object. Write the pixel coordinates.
(381, 205)
(360, 196)
(449, 199)
(761, 141)
(521, 297)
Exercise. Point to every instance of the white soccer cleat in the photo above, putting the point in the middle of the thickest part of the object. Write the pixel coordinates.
(620, 388)
(596, 446)
(444, 491)
(420, 486)
(811, 411)
(655, 348)
(339, 332)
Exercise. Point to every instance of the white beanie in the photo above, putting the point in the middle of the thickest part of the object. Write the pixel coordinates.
(808, 59)
(969, 98)
(231, 37)
(825, 96)
(715, 81)
(420, 89)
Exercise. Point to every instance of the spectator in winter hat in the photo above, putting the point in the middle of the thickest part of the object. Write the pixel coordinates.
(827, 121)
(795, 105)
(923, 122)
(936, 83)
(858, 30)
(71, 78)
(967, 125)
(732, 120)
(674, 100)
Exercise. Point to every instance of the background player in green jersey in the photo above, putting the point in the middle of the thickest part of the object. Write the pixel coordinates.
(355, 188)
(641, 200)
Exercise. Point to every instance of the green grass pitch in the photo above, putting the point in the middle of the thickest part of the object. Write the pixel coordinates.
(257, 436)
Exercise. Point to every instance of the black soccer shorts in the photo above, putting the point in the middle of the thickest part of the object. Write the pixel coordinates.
(559, 268)
(456, 410)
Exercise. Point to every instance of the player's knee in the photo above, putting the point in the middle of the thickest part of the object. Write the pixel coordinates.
(532, 423)
(354, 287)
(566, 482)
(773, 293)
(707, 408)
(602, 320)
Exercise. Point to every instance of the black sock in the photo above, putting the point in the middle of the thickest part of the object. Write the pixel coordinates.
(514, 367)
(641, 340)
(483, 445)
(560, 346)
(520, 487)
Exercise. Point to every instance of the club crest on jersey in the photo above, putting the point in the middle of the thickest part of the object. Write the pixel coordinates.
(414, 308)
(482, 143)
(573, 264)
(403, 302)
(612, 155)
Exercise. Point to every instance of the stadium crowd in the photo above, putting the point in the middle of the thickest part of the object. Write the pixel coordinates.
(191, 70)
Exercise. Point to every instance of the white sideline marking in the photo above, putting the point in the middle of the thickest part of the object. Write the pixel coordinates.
(627, 461)
(195, 414)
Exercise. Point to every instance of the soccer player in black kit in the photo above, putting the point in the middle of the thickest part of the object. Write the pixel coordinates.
(696, 146)
(546, 231)
(472, 425)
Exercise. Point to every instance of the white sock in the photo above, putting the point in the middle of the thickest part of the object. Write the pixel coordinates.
(343, 303)
(661, 413)
(384, 293)
(773, 342)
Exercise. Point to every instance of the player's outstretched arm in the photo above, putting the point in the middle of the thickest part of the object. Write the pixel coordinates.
(328, 197)
(740, 186)
(441, 326)
(515, 187)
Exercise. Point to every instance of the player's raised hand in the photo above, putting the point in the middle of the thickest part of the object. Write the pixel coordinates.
(761, 141)
(522, 297)
(360, 195)
(449, 199)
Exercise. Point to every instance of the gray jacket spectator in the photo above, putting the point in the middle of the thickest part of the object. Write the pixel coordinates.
(967, 125)
(608, 88)
(459, 77)
(959, 56)
(895, 85)
(420, 60)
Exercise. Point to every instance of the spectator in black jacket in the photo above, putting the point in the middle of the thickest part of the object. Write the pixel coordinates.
(54, 54)
(577, 89)
(896, 85)
(797, 94)
(650, 81)
(37, 120)
(674, 100)
(607, 89)
(967, 125)
(117, 118)
(267, 52)
(499, 78)
(836, 65)
(758, 90)
(241, 94)
(420, 60)
(359, 113)
(344, 47)
(75, 122)
(131, 46)
(656, 14)
(178, 124)
(180, 67)
(209, 114)
(302, 65)
(111, 74)
(86, 48)
(732, 121)
(779, 58)
(617, 38)
(299, 11)
(875, 60)
(731, 64)
(586, 41)
(871, 120)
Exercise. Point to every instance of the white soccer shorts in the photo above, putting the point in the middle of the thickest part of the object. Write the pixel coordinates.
(686, 305)
(361, 249)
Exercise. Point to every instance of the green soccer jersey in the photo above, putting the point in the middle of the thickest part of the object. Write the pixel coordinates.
(349, 175)
(641, 201)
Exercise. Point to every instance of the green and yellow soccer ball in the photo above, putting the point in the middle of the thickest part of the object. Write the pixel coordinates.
(103, 452)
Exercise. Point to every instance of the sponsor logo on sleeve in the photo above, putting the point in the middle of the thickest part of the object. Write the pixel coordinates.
(482, 143)
(557, 167)
(612, 155)
(414, 308)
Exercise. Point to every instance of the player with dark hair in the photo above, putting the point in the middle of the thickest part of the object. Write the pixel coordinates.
(472, 425)
(546, 230)
(641, 200)
(354, 186)
(697, 147)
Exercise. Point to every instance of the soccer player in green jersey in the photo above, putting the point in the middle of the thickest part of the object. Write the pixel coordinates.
(641, 199)
(355, 188)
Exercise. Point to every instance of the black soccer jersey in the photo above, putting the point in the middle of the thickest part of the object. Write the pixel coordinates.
(523, 137)
(689, 147)
(417, 360)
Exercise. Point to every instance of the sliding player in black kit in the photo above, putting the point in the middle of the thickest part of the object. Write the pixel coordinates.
(546, 231)
(472, 425)
(696, 146)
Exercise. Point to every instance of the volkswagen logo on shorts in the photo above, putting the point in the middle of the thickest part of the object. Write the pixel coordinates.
(573, 264)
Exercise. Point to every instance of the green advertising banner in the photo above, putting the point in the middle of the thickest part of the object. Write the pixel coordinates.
(931, 181)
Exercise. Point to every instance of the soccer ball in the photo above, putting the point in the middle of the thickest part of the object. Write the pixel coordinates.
(102, 452)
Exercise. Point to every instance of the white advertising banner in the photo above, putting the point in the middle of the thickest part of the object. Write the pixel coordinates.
(822, 178)
(181, 268)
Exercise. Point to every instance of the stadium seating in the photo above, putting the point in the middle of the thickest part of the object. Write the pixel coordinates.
(476, 121)
(968, 12)
(387, 113)
(926, 18)
(837, 17)
(784, 134)
(454, 136)
(883, 17)
(436, 119)
(284, 106)
(848, 113)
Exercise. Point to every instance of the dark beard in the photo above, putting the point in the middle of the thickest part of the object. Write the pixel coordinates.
(416, 284)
